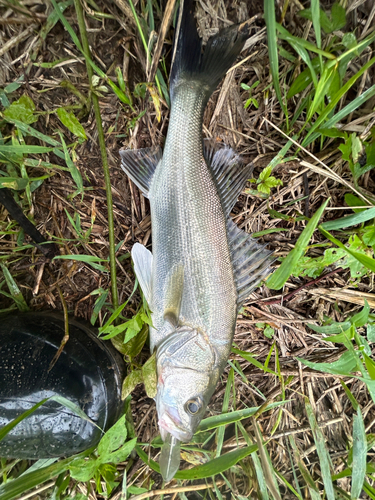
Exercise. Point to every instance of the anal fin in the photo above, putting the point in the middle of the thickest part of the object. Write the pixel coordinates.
(140, 165)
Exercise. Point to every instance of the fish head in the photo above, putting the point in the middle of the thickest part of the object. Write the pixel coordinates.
(187, 378)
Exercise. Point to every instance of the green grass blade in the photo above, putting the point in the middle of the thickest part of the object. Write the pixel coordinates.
(92, 260)
(257, 465)
(267, 466)
(359, 455)
(28, 130)
(313, 490)
(211, 468)
(14, 290)
(221, 430)
(301, 42)
(24, 149)
(270, 18)
(324, 458)
(315, 13)
(350, 220)
(335, 100)
(281, 275)
(74, 172)
(248, 357)
(7, 428)
(234, 416)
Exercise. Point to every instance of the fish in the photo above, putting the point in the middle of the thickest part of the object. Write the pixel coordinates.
(202, 266)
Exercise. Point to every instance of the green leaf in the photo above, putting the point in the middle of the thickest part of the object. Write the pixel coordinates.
(114, 438)
(353, 201)
(149, 375)
(359, 455)
(16, 183)
(131, 381)
(22, 110)
(361, 318)
(349, 41)
(371, 333)
(343, 366)
(71, 123)
(84, 470)
(135, 345)
(265, 173)
(362, 258)
(121, 454)
(269, 332)
(331, 329)
(370, 365)
(281, 275)
(303, 79)
(215, 466)
(338, 16)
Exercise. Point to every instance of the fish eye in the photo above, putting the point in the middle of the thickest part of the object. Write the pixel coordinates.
(193, 406)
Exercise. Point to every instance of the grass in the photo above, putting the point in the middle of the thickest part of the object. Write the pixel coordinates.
(293, 416)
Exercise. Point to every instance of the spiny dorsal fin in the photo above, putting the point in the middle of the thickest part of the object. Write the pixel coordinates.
(142, 259)
(173, 295)
(140, 165)
(251, 261)
(229, 172)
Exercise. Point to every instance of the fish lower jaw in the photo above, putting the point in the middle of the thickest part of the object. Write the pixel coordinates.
(168, 426)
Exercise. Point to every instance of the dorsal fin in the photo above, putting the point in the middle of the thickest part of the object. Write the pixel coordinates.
(251, 261)
(173, 295)
(140, 165)
(229, 172)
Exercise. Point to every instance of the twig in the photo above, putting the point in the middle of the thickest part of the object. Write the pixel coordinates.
(305, 285)
(103, 152)
(66, 330)
(171, 491)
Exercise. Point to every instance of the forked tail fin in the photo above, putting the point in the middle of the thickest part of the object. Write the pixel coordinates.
(209, 67)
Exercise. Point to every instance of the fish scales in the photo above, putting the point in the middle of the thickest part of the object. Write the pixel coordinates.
(189, 228)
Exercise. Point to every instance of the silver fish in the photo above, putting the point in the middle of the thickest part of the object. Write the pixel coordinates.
(202, 267)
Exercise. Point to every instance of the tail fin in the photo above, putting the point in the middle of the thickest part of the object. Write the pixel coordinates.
(219, 55)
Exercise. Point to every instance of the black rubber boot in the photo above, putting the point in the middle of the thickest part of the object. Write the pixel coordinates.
(89, 372)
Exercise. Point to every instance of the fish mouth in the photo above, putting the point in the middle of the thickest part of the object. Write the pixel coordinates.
(171, 424)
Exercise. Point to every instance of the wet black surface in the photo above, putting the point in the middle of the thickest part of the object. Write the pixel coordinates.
(88, 373)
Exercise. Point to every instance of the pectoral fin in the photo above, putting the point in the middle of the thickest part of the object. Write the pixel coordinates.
(173, 295)
(142, 259)
(140, 165)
